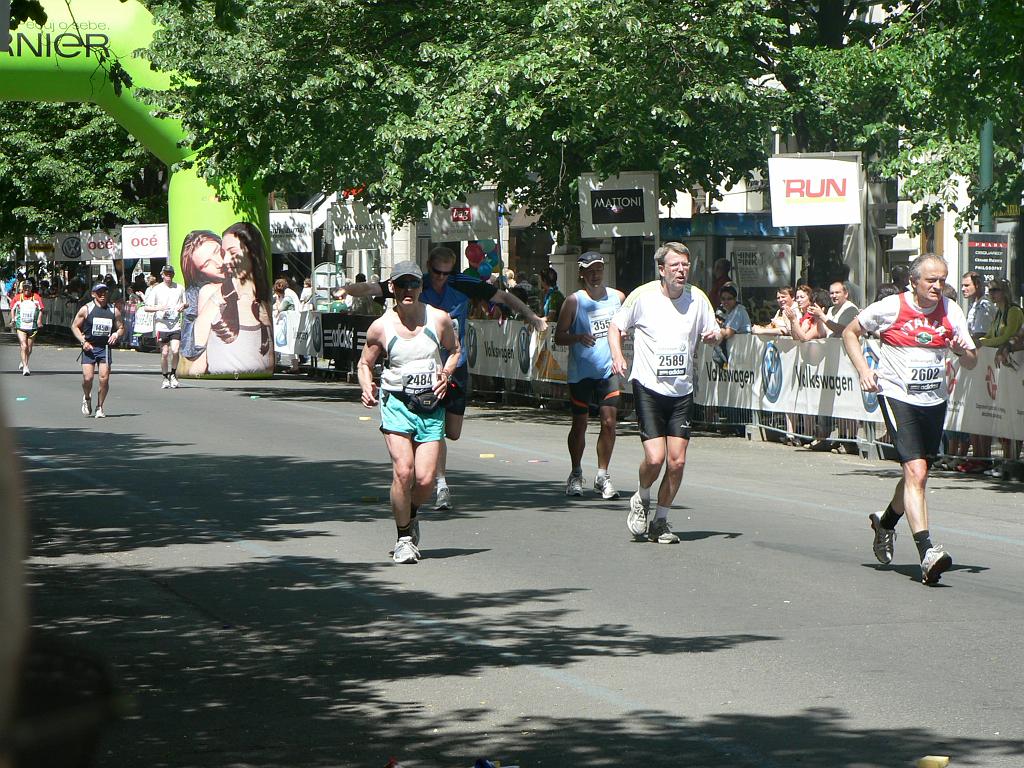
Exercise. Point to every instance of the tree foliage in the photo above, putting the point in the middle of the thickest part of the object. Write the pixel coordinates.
(69, 167)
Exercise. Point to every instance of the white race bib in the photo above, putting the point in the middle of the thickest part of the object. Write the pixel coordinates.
(28, 311)
(419, 376)
(670, 363)
(101, 326)
(924, 373)
(599, 322)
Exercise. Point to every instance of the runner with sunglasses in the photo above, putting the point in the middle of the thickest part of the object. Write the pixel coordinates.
(413, 385)
(445, 288)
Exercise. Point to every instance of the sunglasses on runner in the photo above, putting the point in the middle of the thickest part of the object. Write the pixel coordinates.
(407, 285)
(441, 272)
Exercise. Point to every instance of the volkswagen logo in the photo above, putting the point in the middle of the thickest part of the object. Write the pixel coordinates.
(71, 248)
(870, 399)
(771, 372)
(471, 345)
(523, 349)
(318, 335)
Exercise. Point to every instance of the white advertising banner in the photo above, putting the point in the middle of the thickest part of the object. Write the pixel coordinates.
(505, 350)
(352, 227)
(286, 329)
(309, 338)
(786, 376)
(69, 247)
(100, 245)
(291, 232)
(760, 263)
(625, 205)
(475, 218)
(988, 400)
(145, 241)
(813, 191)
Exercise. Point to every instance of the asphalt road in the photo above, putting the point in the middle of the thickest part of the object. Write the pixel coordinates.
(224, 546)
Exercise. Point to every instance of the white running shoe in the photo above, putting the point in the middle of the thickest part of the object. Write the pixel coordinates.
(26, 371)
(86, 406)
(444, 498)
(21, 366)
(405, 551)
(936, 562)
(574, 485)
(603, 485)
(166, 383)
(174, 381)
(100, 414)
(636, 520)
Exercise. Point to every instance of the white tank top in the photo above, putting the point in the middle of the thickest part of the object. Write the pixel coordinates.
(413, 364)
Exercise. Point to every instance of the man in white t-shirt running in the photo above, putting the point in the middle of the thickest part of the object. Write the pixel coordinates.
(167, 300)
(915, 328)
(667, 317)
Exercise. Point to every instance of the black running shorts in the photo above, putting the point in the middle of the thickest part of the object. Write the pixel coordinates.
(662, 415)
(458, 391)
(166, 337)
(588, 395)
(915, 430)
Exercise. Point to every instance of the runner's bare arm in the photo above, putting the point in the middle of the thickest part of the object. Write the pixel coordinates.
(364, 370)
(851, 341)
(566, 317)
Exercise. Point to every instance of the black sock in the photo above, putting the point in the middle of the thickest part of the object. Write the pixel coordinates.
(167, 376)
(890, 518)
(923, 540)
(404, 530)
(415, 509)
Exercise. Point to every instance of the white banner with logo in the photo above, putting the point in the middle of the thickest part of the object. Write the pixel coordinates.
(309, 338)
(353, 227)
(145, 241)
(988, 400)
(101, 245)
(505, 349)
(69, 247)
(625, 205)
(786, 376)
(475, 218)
(291, 232)
(813, 191)
(286, 329)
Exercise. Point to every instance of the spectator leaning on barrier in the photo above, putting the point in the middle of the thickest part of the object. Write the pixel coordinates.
(804, 325)
(779, 325)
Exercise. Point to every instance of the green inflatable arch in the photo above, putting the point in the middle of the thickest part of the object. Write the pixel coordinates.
(60, 62)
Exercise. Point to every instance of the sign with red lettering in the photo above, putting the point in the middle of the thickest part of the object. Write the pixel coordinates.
(144, 241)
(814, 191)
(100, 245)
(475, 217)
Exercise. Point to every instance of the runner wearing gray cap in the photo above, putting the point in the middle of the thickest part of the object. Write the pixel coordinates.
(593, 389)
(97, 327)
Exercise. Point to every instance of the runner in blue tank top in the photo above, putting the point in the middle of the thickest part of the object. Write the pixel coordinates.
(97, 326)
(447, 289)
(593, 389)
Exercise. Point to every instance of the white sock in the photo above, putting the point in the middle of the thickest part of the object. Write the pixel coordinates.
(602, 473)
(441, 482)
(661, 513)
(645, 494)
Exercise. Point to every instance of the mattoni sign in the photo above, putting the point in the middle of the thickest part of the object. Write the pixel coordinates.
(625, 205)
(814, 191)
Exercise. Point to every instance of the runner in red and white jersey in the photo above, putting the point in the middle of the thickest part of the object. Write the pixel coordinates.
(916, 328)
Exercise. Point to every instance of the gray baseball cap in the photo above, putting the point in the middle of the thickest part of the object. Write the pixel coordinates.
(406, 268)
(590, 257)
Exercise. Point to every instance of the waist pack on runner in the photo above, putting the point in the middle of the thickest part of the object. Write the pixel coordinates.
(422, 403)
